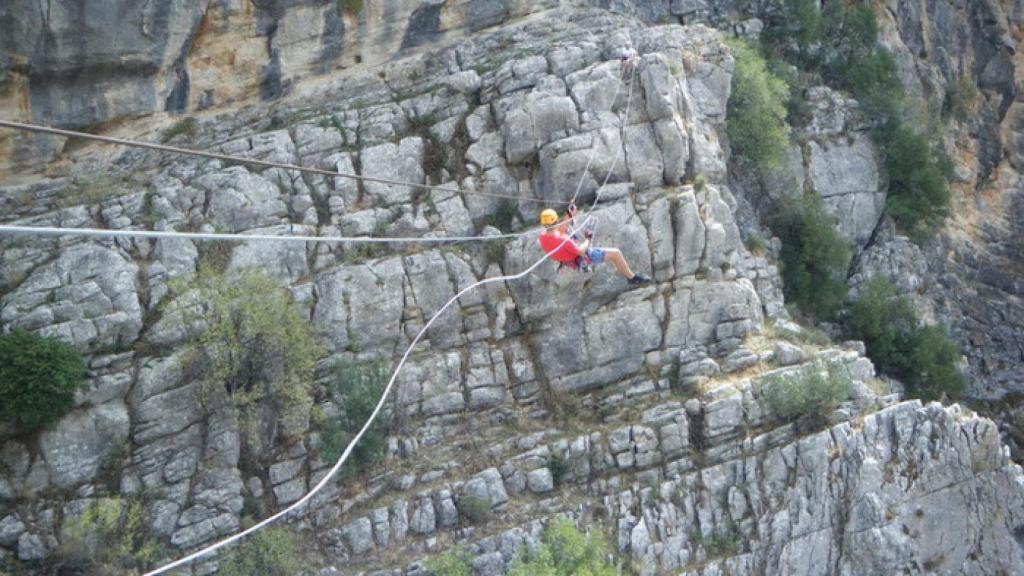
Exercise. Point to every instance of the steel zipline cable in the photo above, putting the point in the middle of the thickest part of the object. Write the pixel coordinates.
(253, 162)
(297, 506)
(170, 234)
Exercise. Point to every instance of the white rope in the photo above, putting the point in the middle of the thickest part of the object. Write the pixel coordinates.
(387, 391)
(593, 144)
(153, 234)
(380, 404)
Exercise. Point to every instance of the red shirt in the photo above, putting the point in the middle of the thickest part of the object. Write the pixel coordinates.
(567, 254)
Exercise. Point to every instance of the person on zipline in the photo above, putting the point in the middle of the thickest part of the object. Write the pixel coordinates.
(580, 255)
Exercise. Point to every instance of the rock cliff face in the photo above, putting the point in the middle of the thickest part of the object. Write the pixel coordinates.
(642, 411)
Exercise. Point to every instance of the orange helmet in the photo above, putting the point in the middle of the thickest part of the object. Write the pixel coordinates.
(548, 217)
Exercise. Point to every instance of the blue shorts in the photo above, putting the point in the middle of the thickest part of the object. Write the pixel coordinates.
(596, 255)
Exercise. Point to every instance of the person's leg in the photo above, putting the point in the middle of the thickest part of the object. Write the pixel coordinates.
(614, 255)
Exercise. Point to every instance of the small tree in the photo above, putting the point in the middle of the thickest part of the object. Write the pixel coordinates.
(255, 344)
(38, 379)
(756, 121)
(923, 357)
(809, 395)
(455, 562)
(271, 552)
(109, 537)
(815, 257)
(918, 194)
(358, 387)
(565, 551)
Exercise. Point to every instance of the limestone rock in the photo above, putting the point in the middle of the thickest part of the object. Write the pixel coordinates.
(87, 297)
(846, 175)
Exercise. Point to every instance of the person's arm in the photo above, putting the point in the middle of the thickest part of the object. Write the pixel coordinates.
(563, 226)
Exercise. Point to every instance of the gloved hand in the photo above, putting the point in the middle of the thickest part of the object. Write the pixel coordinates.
(589, 234)
(571, 210)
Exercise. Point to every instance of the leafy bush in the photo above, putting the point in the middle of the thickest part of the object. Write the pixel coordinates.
(795, 31)
(107, 538)
(724, 543)
(352, 7)
(255, 342)
(455, 562)
(38, 379)
(756, 123)
(475, 509)
(922, 357)
(270, 552)
(815, 258)
(961, 100)
(184, 126)
(755, 245)
(565, 551)
(504, 216)
(560, 468)
(807, 396)
(918, 195)
(358, 386)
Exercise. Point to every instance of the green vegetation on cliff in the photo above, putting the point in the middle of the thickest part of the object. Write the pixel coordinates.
(815, 257)
(357, 387)
(756, 123)
(272, 551)
(838, 44)
(108, 537)
(922, 357)
(38, 379)
(255, 343)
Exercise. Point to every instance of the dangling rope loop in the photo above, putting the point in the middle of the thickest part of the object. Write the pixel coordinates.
(387, 389)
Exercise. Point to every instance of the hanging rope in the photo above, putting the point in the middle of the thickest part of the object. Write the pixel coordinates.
(362, 431)
(169, 234)
(387, 391)
(253, 162)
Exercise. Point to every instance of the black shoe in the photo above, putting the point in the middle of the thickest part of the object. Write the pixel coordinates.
(638, 280)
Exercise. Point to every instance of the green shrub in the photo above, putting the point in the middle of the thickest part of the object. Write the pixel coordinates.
(352, 7)
(565, 551)
(755, 245)
(815, 258)
(724, 543)
(961, 99)
(922, 357)
(358, 386)
(255, 342)
(756, 124)
(474, 509)
(918, 195)
(184, 126)
(873, 80)
(504, 215)
(807, 396)
(495, 251)
(795, 31)
(560, 468)
(270, 552)
(455, 562)
(38, 379)
(109, 537)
